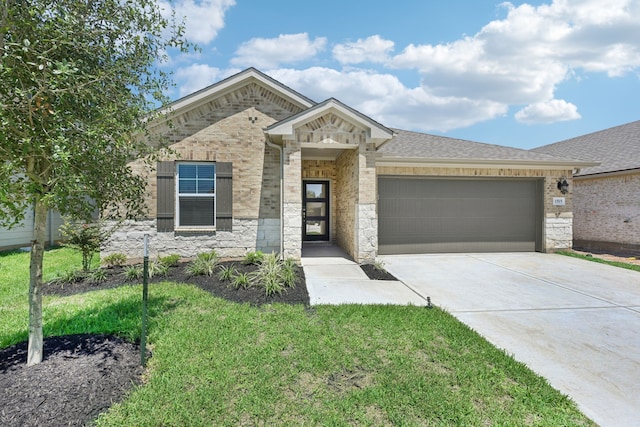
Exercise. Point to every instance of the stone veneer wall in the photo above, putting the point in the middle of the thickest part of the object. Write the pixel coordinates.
(607, 209)
(558, 220)
(247, 235)
(226, 129)
(292, 204)
(324, 170)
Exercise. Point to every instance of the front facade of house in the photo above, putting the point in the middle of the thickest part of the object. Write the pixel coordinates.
(606, 196)
(258, 166)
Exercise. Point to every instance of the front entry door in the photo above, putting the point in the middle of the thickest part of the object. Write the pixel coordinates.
(315, 210)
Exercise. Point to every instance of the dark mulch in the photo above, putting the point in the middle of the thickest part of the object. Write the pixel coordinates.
(83, 375)
(80, 376)
(376, 274)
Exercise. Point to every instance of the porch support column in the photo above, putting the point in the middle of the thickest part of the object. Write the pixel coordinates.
(292, 200)
(366, 215)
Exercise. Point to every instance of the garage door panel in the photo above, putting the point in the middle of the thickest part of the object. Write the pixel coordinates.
(457, 215)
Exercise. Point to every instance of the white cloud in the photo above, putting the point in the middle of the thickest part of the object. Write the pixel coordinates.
(372, 49)
(197, 76)
(555, 110)
(203, 19)
(522, 58)
(385, 99)
(284, 49)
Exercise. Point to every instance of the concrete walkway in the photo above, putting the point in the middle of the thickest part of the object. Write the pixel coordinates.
(333, 278)
(575, 322)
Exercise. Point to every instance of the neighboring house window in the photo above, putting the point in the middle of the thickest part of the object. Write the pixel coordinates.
(196, 195)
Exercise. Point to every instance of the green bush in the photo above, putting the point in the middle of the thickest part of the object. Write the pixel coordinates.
(241, 280)
(157, 269)
(170, 260)
(133, 272)
(253, 258)
(86, 237)
(204, 265)
(269, 275)
(98, 275)
(70, 276)
(227, 272)
(114, 260)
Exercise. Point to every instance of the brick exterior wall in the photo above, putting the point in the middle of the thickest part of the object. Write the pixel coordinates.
(558, 220)
(607, 210)
(226, 129)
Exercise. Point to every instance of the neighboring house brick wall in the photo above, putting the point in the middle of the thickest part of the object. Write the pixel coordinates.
(558, 220)
(607, 210)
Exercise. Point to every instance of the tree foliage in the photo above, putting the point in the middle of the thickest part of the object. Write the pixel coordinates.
(78, 81)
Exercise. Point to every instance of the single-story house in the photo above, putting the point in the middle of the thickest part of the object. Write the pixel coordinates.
(606, 198)
(259, 166)
(22, 234)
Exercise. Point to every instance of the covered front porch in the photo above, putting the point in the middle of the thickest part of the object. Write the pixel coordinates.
(329, 179)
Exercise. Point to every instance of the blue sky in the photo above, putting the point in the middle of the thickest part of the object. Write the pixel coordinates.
(521, 74)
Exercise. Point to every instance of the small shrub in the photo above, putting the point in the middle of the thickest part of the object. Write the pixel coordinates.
(204, 265)
(70, 276)
(170, 260)
(253, 258)
(289, 273)
(241, 280)
(158, 269)
(85, 237)
(114, 260)
(133, 272)
(98, 275)
(269, 275)
(227, 272)
(378, 264)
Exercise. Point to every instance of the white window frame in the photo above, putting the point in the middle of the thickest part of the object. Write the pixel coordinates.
(203, 195)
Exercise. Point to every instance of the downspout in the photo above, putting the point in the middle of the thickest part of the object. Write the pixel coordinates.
(279, 148)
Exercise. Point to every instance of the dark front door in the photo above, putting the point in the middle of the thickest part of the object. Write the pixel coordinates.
(315, 210)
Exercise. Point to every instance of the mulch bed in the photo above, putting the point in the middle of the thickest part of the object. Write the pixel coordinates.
(83, 375)
(376, 274)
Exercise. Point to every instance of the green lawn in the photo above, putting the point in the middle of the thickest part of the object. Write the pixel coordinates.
(626, 265)
(220, 363)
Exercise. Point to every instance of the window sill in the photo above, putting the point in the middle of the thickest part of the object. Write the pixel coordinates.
(186, 230)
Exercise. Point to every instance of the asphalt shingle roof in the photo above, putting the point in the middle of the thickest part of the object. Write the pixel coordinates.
(407, 144)
(616, 148)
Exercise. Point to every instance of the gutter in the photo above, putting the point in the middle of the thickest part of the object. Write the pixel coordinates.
(279, 148)
(440, 162)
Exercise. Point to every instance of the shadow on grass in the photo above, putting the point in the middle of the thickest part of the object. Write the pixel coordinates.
(122, 318)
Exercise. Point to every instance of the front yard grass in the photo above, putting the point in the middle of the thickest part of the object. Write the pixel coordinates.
(217, 362)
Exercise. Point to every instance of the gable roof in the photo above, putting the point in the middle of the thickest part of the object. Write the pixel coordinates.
(250, 75)
(377, 132)
(415, 147)
(617, 149)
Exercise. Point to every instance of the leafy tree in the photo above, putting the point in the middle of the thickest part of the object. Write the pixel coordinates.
(78, 81)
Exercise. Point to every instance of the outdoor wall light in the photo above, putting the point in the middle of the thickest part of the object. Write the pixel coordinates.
(563, 185)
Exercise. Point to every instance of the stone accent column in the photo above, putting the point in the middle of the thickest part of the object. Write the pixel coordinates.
(558, 231)
(366, 215)
(292, 200)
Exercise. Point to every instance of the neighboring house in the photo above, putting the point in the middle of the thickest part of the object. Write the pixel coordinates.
(22, 234)
(260, 166)
(606, 198)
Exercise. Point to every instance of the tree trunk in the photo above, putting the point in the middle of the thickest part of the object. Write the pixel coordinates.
(34, 353)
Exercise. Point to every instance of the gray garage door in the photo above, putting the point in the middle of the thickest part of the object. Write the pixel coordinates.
(428, 215)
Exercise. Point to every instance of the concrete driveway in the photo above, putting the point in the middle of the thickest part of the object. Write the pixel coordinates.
(575, 322)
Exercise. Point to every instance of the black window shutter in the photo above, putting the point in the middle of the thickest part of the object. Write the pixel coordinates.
(224, 195)
(166, 191)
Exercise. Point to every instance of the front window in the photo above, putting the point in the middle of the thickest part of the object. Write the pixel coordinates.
(196, 195)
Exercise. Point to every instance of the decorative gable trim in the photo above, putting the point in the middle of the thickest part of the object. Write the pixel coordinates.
(285, 129)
